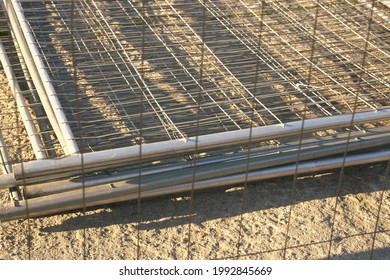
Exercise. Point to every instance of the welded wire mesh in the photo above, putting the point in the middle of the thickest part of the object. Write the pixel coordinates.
(133, 73)
(108, 42)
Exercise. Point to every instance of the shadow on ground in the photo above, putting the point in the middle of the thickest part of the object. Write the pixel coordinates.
(223, 202)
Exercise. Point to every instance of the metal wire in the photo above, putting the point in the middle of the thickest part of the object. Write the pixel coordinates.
(198, 110)
(294, 184)
(245, 193)
(153, 73)
(78, 119)
(355, 106)
(108, 57)
(141, 132)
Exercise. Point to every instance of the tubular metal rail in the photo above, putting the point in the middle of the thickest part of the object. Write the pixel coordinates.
(123, 99)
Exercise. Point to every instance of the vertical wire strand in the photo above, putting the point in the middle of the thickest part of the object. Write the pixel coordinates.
(78, 118)
(351, 125)
(141, 127)
(384, 188)
(244, 197)
(197, 129)
(29, 230)
(300, 143)
(21, 160)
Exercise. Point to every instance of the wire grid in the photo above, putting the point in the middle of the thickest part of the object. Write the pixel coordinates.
(108, 42)
(23, 86)
(298, 109)
(16, 137)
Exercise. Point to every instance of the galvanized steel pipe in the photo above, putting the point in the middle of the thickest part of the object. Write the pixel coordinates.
(153, 178)
(50, 99)
(35, 141)
(104, 159)
(123, 191)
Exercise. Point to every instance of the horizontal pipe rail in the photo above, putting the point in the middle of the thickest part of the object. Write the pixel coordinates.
(181, 173)
(104, 159)
(123, 191)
